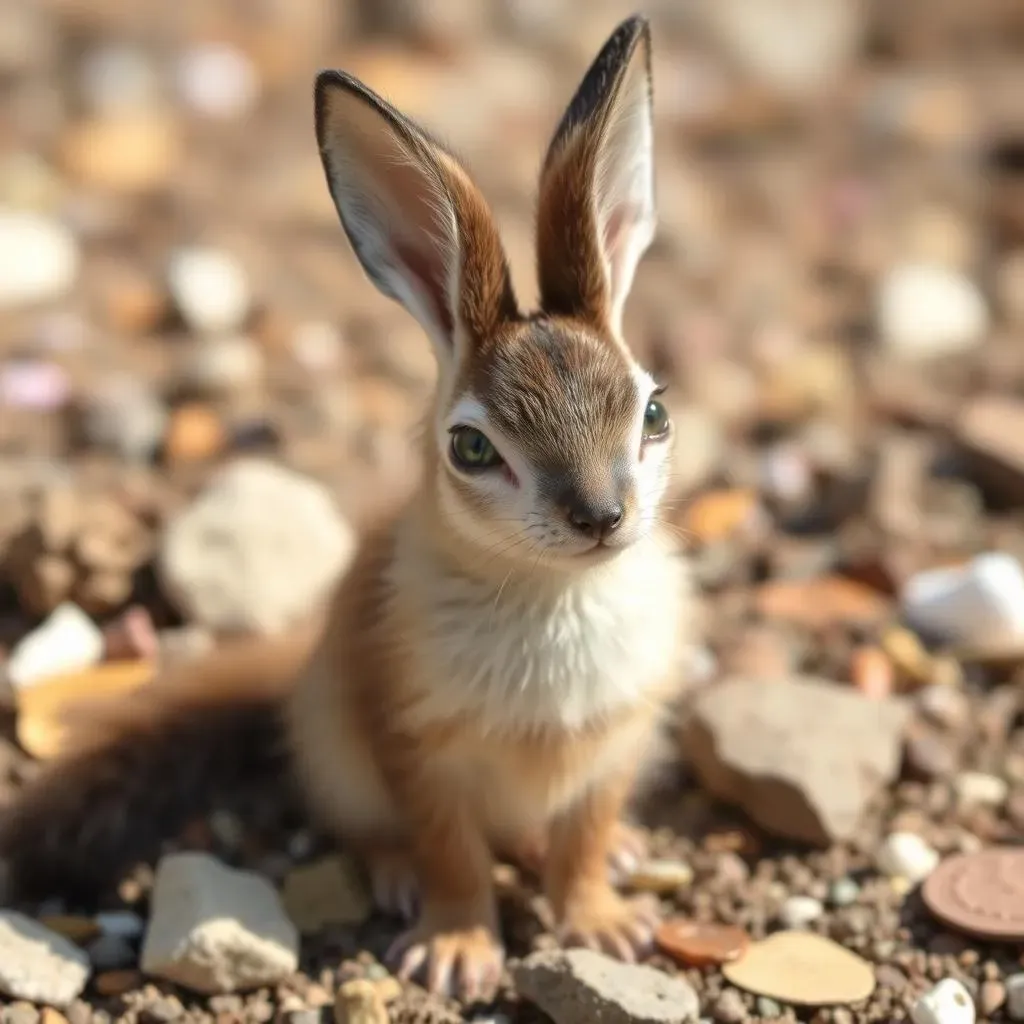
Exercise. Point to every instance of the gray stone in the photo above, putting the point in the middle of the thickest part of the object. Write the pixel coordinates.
(37, 964)
(803, 757)
(216, 929)
(580, 986)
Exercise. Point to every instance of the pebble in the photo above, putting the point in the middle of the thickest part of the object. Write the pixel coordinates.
(224, 364)
(804, 968)
(948, 1002)
(117, 982)
(729, 1007)
(210, 288)
(195, 433)
(661, 876)
(699, 943)
(20, 1013)
(256, 550)
(980, 603)
(800, 911)
(1015, 996)
(580, 986)
(906, 855)
(217, 80)
(40, 258)
(843, 892)
(926, 311)
(37, 964)
(67, 641)
(980, 789)
(768, 1007)
(360, 1002)
(124, 415)
(327, 891)
(991, 997)
(216, 929)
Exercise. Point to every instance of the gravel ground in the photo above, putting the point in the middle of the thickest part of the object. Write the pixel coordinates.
(836, 298)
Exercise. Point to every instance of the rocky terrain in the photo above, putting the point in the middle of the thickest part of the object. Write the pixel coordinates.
(202, 401)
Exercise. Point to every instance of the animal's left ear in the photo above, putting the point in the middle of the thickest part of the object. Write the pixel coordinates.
(596, 214)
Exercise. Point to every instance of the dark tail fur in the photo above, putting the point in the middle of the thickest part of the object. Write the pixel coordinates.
(138, 769)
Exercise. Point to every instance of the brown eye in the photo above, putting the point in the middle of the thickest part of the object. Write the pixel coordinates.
(470, 450)
(656, 421)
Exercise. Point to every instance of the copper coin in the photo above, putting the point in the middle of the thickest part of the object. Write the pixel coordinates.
(697, 944)
(981, 893)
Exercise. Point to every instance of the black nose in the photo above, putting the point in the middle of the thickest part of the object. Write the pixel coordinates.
(592, 518)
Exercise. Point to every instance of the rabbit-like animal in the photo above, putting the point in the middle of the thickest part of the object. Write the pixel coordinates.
(502, 656)
(492, 672)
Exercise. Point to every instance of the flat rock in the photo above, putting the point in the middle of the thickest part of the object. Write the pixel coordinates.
(216, 929)
(580, 986)
(257, 550)
(804, 968)
(38, 964)
(802, 756)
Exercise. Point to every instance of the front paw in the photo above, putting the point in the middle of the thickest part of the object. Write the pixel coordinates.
(612, 924)
(450, 961)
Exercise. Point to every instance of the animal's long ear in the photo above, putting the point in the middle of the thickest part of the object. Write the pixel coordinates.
(596, 214)
(418, 225)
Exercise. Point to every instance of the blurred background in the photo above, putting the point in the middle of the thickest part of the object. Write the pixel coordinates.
(836, 293)
(835, 298)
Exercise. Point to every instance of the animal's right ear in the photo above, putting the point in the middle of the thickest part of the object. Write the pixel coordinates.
(596, 209)
(418, 225)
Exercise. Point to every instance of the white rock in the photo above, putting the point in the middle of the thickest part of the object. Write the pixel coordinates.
(37, 964)
(974, 788)
(800, 911)
(66, 641)
(256, 551)
(926, 311)
(1015, 996)
(217, 80)
(211, 289)
(981, 602)
(948, 1002)
(224, 364)
(216, 929)
(907, 855)
(661, 876)
(39, 257)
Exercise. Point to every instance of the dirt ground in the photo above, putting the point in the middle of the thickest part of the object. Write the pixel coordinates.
(835, 298)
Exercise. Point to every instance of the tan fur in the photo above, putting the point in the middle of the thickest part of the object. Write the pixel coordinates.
(469, 696)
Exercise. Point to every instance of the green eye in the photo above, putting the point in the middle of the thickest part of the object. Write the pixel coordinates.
(656, 421)
(471, 450)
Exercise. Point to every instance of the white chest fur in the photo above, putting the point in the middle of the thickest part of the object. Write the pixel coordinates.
(528, 653)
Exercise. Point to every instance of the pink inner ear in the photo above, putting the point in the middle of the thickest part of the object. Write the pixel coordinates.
(431, 277)
(621, 219)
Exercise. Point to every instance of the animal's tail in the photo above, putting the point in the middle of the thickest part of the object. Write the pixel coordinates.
(139, 768)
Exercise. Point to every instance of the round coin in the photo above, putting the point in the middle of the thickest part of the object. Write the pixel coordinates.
(980, 893)
(696, 944)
